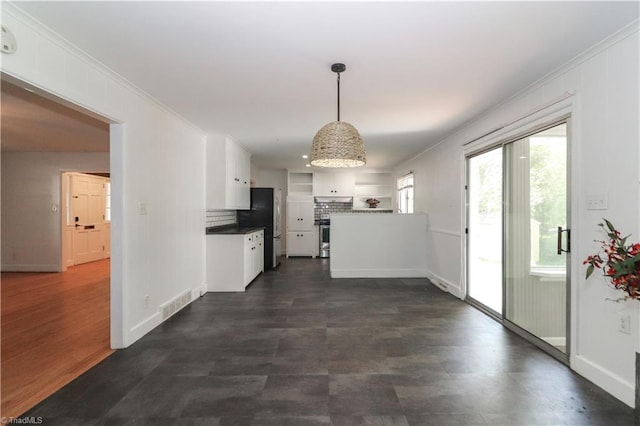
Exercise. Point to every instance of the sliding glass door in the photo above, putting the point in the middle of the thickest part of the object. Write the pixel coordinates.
(484, 229)
(518, 240)
(537, 239)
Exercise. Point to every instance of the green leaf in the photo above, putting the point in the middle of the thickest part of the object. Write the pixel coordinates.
(624, 267)
(609, 225)
(590, 270)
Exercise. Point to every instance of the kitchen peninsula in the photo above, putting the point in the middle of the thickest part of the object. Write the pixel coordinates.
(378, 245)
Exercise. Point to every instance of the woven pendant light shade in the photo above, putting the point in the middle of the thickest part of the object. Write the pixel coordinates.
(338, 144)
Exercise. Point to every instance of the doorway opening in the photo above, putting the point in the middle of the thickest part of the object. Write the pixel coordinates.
(56, 317)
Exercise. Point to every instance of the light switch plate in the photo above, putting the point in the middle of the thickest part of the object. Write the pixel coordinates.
(597, 202)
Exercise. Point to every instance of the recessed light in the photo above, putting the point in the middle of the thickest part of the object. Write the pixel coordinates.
(308, 165)
(305, 156)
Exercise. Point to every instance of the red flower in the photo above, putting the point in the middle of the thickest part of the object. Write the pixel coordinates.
(622, 264)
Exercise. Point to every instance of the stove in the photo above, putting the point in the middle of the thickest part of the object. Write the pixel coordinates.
(324, 223)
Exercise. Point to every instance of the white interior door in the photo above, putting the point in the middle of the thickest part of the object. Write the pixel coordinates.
(87, 213)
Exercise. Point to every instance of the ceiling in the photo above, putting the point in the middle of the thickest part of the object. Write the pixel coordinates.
(260, 71)
(31, 122)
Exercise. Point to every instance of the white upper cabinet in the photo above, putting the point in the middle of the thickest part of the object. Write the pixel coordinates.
(333, 183)
(228, 175)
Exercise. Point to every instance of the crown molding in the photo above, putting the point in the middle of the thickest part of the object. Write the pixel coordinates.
(38, 27)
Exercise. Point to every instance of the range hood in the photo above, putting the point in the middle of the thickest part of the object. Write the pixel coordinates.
(333, 199)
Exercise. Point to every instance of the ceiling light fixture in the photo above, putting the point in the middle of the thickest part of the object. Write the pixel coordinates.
(338, 144)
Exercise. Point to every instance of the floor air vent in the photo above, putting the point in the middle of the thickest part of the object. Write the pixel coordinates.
(175, 304)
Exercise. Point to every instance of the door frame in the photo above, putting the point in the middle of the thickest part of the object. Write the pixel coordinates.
(565, 108)
(117, 141)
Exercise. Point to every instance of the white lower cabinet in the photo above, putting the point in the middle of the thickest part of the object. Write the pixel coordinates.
(254, 253)
(234, 260)
(301, 243)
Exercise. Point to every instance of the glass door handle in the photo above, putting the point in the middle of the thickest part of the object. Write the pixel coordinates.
(560, 249)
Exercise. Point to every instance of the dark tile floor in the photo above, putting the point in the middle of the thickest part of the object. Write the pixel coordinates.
(301, 349)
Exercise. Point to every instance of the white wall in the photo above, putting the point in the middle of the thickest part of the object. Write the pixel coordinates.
(156, 161)
(30, 189)
(604, 160)
(264, 178)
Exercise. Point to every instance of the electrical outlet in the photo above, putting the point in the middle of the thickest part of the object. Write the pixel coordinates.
(142, 208)
(624, 323)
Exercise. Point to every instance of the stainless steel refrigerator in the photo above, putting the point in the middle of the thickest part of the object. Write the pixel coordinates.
(266, 211)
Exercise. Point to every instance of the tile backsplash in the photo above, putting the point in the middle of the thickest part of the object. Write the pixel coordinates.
(335, 207)
(331, 207)
(220, 217)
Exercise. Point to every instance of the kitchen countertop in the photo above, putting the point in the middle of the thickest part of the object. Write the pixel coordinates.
(233, 229)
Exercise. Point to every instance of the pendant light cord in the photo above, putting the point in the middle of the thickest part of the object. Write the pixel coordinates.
(338, 96)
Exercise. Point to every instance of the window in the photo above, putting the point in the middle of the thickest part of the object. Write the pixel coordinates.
(405, 194)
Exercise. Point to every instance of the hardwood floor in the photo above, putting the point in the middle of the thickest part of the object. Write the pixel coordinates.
(55, 326)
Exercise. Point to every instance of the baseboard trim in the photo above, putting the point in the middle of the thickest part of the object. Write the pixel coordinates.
(555, 341)
(378, 273)
(31, 268)
(615, 385)
(445, 285)
(199, 292)
(143, 327)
